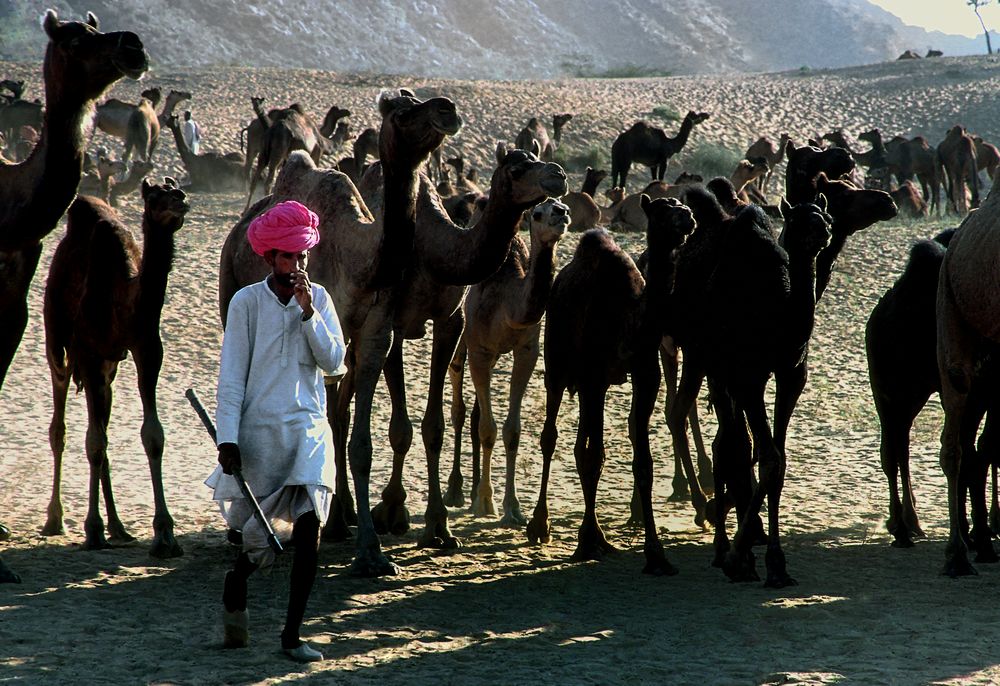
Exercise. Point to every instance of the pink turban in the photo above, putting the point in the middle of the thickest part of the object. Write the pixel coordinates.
(289, 226)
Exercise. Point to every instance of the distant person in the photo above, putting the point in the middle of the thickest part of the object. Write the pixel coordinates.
(191, 132)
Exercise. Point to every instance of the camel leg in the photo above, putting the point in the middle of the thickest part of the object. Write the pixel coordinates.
(788, 386)
(677, 414)
(974, 472)
(262, 161)
(454, 497)
(894, 451)
(645, 375)
(57, 441)
(481, 365)
(338, 413)
(525, 358)
(733, 474)
(589, 453)
(446, 336)
(474, 418)
(98, 393)
(369, 560)
(14, 315)
(539, 530)
(391, 515)
(148, 360)
(116, 530)
(679, 485)
(956, 352)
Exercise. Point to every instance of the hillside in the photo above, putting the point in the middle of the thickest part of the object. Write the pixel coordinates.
(496, 39)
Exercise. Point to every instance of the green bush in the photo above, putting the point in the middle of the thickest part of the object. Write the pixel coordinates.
(666, 112)
(710, 160)
(578, 159)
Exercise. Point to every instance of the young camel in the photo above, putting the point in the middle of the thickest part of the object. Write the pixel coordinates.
(604, 322)
(584, 211)
(103, 300)
(503, 314)
(772, 153)
(957, 155)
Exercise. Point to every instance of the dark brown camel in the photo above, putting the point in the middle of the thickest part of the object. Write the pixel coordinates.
(364, 145)
(649, 145)
(761, 303)
(987, 157)
(534, 130)
(773, 153)
(604, 322)
(361, 261)
(103, 299)
(957, 155)
(208, 171)
(917, 158)
(503, 315)
(447, 259)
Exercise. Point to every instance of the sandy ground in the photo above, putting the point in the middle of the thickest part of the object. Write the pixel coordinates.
(498, 610)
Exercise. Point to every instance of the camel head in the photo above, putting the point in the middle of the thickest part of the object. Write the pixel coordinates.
(725, 192)
(615, 195)
(686, 177)
(524, 179)
(871, 136)
(166, 204)
(549, 221)
(153, 95)
(809, 160)
(595, 176)
(177, 97)
(838, 138)
(412, 128)
(173, 123)
(854, 209)
(669, 222)
(560, 120)
(807, 227)
(82, 60)
(15, 87)
(107, 167)
(696, 117)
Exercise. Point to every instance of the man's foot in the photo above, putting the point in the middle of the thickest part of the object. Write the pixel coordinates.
(303, 653)
(236, 627)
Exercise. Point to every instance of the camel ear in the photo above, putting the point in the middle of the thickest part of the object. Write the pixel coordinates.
(50, 22)
(146, 188)
(644, 202)
(501, 152)
(384, 101)
(821, 180)
(536, 150)
(821, 202)
(92, 20)
(407, 93)
(789, 147)
(784, 207)
(170, 182)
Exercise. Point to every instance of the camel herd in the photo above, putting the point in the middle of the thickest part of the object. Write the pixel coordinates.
(724, 293)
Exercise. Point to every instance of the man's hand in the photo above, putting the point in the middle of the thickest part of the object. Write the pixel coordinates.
(229, 457)
(303, 292)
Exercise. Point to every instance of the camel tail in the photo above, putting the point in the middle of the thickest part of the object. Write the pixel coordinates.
(243, 134)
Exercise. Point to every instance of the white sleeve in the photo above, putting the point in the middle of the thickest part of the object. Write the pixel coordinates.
(234, 368)
(326, 339)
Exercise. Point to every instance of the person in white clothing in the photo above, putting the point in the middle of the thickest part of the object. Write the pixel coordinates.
(281, 334)
(191, 133)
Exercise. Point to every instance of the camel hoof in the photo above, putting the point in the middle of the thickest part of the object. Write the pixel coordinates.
(336, 530)
(656, 562)
(592, 550)
(959, 567)
(680, 494)
(370, 566)
(96, 543)
(391, 519)
(121, 539)
(4, 533)
(740, 568)
(439, 543)
(51, 528)
(902, 542)
(165, 547)
(539, 532)
(513, 519)
(484, 507)
(985, 554)
(454, 496)
(7, 576)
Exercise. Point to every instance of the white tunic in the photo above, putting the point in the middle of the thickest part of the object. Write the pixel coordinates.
(271, 402)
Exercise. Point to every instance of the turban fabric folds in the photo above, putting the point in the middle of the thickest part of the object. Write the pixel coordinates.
(289, 226)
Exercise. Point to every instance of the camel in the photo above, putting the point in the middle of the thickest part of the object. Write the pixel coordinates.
(252, 135)
(804, 166)
(80, 64)
(761, 294)
(136, 173)
(987, 157)
(208, 171)
(466, 179)
(649, 145)
(19, 113)
(503, 315)
(901, 342)
(447, 259)
(103, 299)
(143, 132)
(583, 209)
(16, 88)
(627, 214)
(747, 171)
(967, 335)
(957, 155)
(112, 116)
(933, 53)
(360, 261)
(604, 322)
(773, 153)
(909, 201)
(138, 125)
(100, 182)
(917, 158)
(535, 131)
(909, 55)
(364, 145)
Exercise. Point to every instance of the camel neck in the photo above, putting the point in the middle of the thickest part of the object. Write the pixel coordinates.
(398, 222)
(157, 261)
(589, 186)
(538, 281)
(681, 138)
(801, 301)
(825, 261)
(182, 149)
(489, 240)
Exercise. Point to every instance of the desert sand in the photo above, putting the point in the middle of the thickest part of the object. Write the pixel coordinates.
(498, 610)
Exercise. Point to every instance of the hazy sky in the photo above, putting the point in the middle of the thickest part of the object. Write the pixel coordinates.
(950, 16)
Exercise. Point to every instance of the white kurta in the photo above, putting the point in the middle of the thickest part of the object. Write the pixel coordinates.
(271, 402)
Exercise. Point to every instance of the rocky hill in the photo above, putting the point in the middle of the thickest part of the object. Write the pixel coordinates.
(497, 39)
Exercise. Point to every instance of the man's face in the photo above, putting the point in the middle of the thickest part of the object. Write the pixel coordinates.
(285, 264)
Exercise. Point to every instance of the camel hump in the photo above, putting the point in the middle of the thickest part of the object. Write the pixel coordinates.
(599, 254)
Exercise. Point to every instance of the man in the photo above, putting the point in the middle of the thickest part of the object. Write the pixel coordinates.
(280, 335)
(191, 133)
